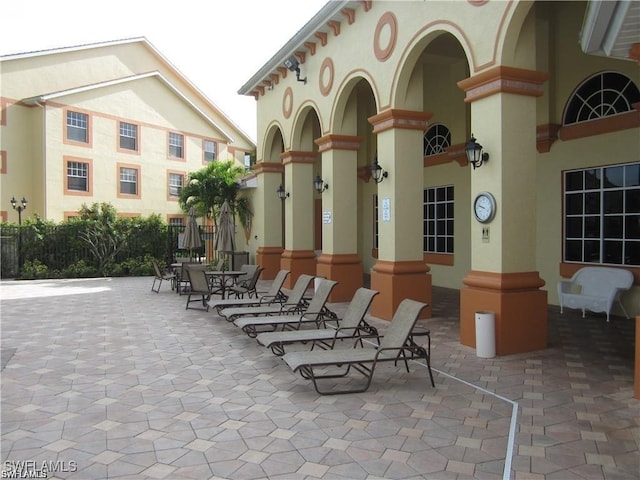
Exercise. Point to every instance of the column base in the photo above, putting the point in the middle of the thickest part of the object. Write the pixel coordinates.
(346, 269)
(399, 280)
(269, 259)
(298, 262)
(519, 305)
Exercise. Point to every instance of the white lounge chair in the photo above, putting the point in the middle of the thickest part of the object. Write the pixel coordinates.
(352, 325)
(396, 344)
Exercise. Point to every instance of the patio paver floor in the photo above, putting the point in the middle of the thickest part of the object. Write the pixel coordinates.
(110, 380)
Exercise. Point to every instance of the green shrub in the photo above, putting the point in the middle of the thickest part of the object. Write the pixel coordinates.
(79, 269)
(34, 269)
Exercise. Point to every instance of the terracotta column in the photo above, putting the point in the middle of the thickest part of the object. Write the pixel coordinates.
(339, 260)
(298, 256)
(268, 218)
(503, 252)
(400, 271)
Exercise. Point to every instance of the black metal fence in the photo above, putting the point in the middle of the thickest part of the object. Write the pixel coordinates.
(60, 246)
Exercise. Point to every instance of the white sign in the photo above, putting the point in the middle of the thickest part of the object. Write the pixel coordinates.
(326, 217)
(386, 210)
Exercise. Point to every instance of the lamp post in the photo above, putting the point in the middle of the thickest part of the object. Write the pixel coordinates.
(19, 208)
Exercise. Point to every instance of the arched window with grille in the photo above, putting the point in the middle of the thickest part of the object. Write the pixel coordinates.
(603, 95)
(436, 139)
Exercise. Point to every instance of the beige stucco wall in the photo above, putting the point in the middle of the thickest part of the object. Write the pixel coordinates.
(157, 105)
(540, 36)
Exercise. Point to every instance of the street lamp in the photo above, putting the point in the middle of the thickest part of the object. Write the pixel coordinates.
(19, 208)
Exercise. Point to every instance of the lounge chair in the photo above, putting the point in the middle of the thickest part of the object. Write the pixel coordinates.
(199, 286)
(161, 275)
(352, 325)
(274, 294)
(396, 344)
(294, 303)
(315, 312)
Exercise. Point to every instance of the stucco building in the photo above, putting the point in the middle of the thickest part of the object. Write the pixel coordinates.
(110, 122)
(406, 85)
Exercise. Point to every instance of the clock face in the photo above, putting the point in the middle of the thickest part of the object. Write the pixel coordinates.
(484, 207)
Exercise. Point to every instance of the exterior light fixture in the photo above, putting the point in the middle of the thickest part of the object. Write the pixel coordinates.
(377, 173)
(474, 152)
(281, 193)
(319, 184)
(294, 66)
(19, 208)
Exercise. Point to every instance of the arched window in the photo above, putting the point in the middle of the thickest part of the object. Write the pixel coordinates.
(603, 95)
(436, 139)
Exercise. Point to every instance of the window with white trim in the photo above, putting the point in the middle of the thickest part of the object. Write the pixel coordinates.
(128, 136)
(78, 176)
(176, 182)
(128, 181)
(77, 126)
(176, 145)
(438, 219)
(210, 151)
(602, 215)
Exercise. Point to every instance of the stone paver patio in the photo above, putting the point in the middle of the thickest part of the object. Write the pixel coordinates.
(103, 378)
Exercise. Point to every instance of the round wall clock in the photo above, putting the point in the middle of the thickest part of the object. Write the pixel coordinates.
(484, 207)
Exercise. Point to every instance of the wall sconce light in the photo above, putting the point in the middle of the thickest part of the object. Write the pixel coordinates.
(281, 193)
(474, 152)
(19, 208)
(319, 184)
(377, 173)
(294, 66)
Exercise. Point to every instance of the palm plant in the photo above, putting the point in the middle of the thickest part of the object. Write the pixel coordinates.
(208, 188)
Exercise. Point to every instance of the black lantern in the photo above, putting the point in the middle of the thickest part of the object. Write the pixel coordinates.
(474, 152)
(19, 208)
(281, 193)
(319, 184)
(377, 173)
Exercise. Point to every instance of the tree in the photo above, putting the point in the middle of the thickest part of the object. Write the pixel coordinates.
(104, 238)
(208, 188)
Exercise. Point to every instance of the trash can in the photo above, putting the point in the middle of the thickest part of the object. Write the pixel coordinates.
(485, 334)
(239, 259)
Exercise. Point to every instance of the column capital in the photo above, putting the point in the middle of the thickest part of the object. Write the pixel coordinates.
(338, 142)
(394, 118)
(503, 79)
(293, 156)
(267, 167)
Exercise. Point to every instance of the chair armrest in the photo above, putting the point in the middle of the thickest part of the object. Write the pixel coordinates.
(566, 286)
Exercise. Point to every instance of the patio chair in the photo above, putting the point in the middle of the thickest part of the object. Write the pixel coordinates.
(199, 286)
(352, 325)
(273, 295)
(248, 285)
(396, 344)
(182, 277)
(161, 275)
(315, 312)
(294, 303)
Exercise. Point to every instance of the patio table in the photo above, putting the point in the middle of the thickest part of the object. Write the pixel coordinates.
(222, 276)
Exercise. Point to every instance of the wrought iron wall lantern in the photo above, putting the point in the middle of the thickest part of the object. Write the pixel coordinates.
(319, 184)
(474, 152)
(377, 173)
(281, 193)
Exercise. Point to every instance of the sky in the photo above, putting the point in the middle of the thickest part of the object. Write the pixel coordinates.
(217, 44)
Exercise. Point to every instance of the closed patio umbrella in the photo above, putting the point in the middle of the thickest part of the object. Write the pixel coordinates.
(192, 239)
(225, 238)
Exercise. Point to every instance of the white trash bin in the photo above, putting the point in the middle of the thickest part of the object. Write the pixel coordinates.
(485, 334)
